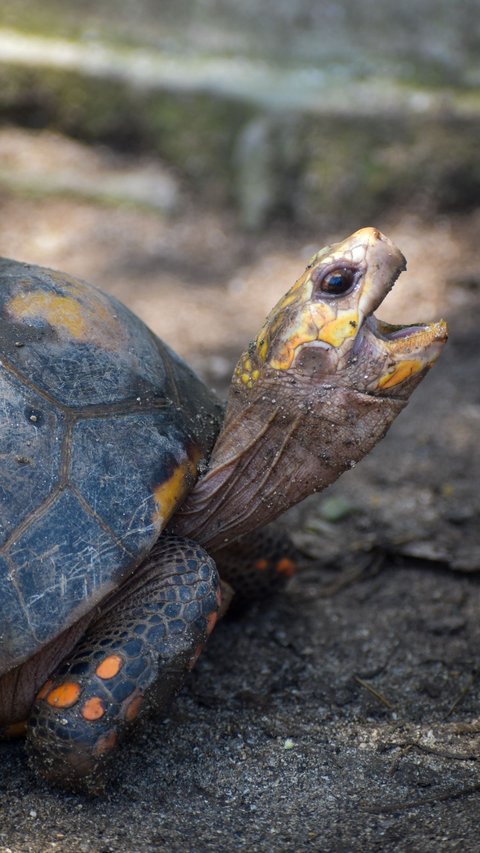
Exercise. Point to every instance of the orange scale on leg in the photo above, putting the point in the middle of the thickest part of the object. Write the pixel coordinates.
(65, 695)
(109, 666)
(211, 622)
(93, 708)
(131, 706)
(286, 567)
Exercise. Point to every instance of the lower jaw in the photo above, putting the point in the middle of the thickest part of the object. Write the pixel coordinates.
(394, 366)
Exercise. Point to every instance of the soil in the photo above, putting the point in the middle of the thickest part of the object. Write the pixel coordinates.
(343, 715)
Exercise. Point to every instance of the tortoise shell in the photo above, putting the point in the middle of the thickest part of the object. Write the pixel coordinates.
(102, 431)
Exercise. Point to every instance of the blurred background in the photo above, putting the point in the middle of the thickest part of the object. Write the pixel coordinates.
(190, 156)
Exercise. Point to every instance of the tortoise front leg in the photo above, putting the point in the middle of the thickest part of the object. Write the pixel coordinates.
(133, 659)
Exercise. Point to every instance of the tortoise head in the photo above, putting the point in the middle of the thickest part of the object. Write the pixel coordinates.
(324, 328)
(314, 392)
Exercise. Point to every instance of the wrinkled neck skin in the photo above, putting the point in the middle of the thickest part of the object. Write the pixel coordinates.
(315, 391)
(280, 442)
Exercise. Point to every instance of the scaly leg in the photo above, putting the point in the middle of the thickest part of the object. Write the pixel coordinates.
(258, 564)
(133, 659)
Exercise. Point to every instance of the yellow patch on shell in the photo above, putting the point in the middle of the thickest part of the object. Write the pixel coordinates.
(79, 314)
(62, 312)
(401, 372)
(168, 495)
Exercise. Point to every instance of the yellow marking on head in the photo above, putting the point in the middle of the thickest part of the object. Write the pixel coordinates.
(284, 356)
(167, 495)
(401, 372)
(290, 297)
(277, 317)
(337, 331)
(61, 312)
(245, 371)
(296, 320)
(262, 346)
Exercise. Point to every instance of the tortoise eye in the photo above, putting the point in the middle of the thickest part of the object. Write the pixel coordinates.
(336, 282)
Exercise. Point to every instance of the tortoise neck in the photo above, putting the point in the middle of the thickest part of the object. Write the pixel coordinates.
(278, 444)
(235, 494)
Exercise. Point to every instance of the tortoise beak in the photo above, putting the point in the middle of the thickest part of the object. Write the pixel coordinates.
(410, 350)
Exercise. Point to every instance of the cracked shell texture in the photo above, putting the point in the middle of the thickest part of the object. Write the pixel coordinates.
(102, 429)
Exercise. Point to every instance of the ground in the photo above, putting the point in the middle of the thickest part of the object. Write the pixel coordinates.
(344, 715)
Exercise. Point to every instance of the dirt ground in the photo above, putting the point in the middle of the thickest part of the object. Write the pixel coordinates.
(344, 715)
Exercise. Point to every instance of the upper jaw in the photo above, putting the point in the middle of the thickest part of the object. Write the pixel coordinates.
(401, 353)
(384, 263)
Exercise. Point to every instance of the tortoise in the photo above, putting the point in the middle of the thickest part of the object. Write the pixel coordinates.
(126, 489)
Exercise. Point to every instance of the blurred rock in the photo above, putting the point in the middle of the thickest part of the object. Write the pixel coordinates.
(45, 163)
(321, 115)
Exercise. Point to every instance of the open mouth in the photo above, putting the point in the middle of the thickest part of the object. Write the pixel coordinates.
(392, 332)
(417, 338)
(396, 356)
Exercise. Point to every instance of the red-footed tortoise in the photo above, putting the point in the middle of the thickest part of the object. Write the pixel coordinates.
(108, 438)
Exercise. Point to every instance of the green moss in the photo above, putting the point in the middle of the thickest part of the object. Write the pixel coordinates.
(194, 132)
(355, 169)
(318, 168)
